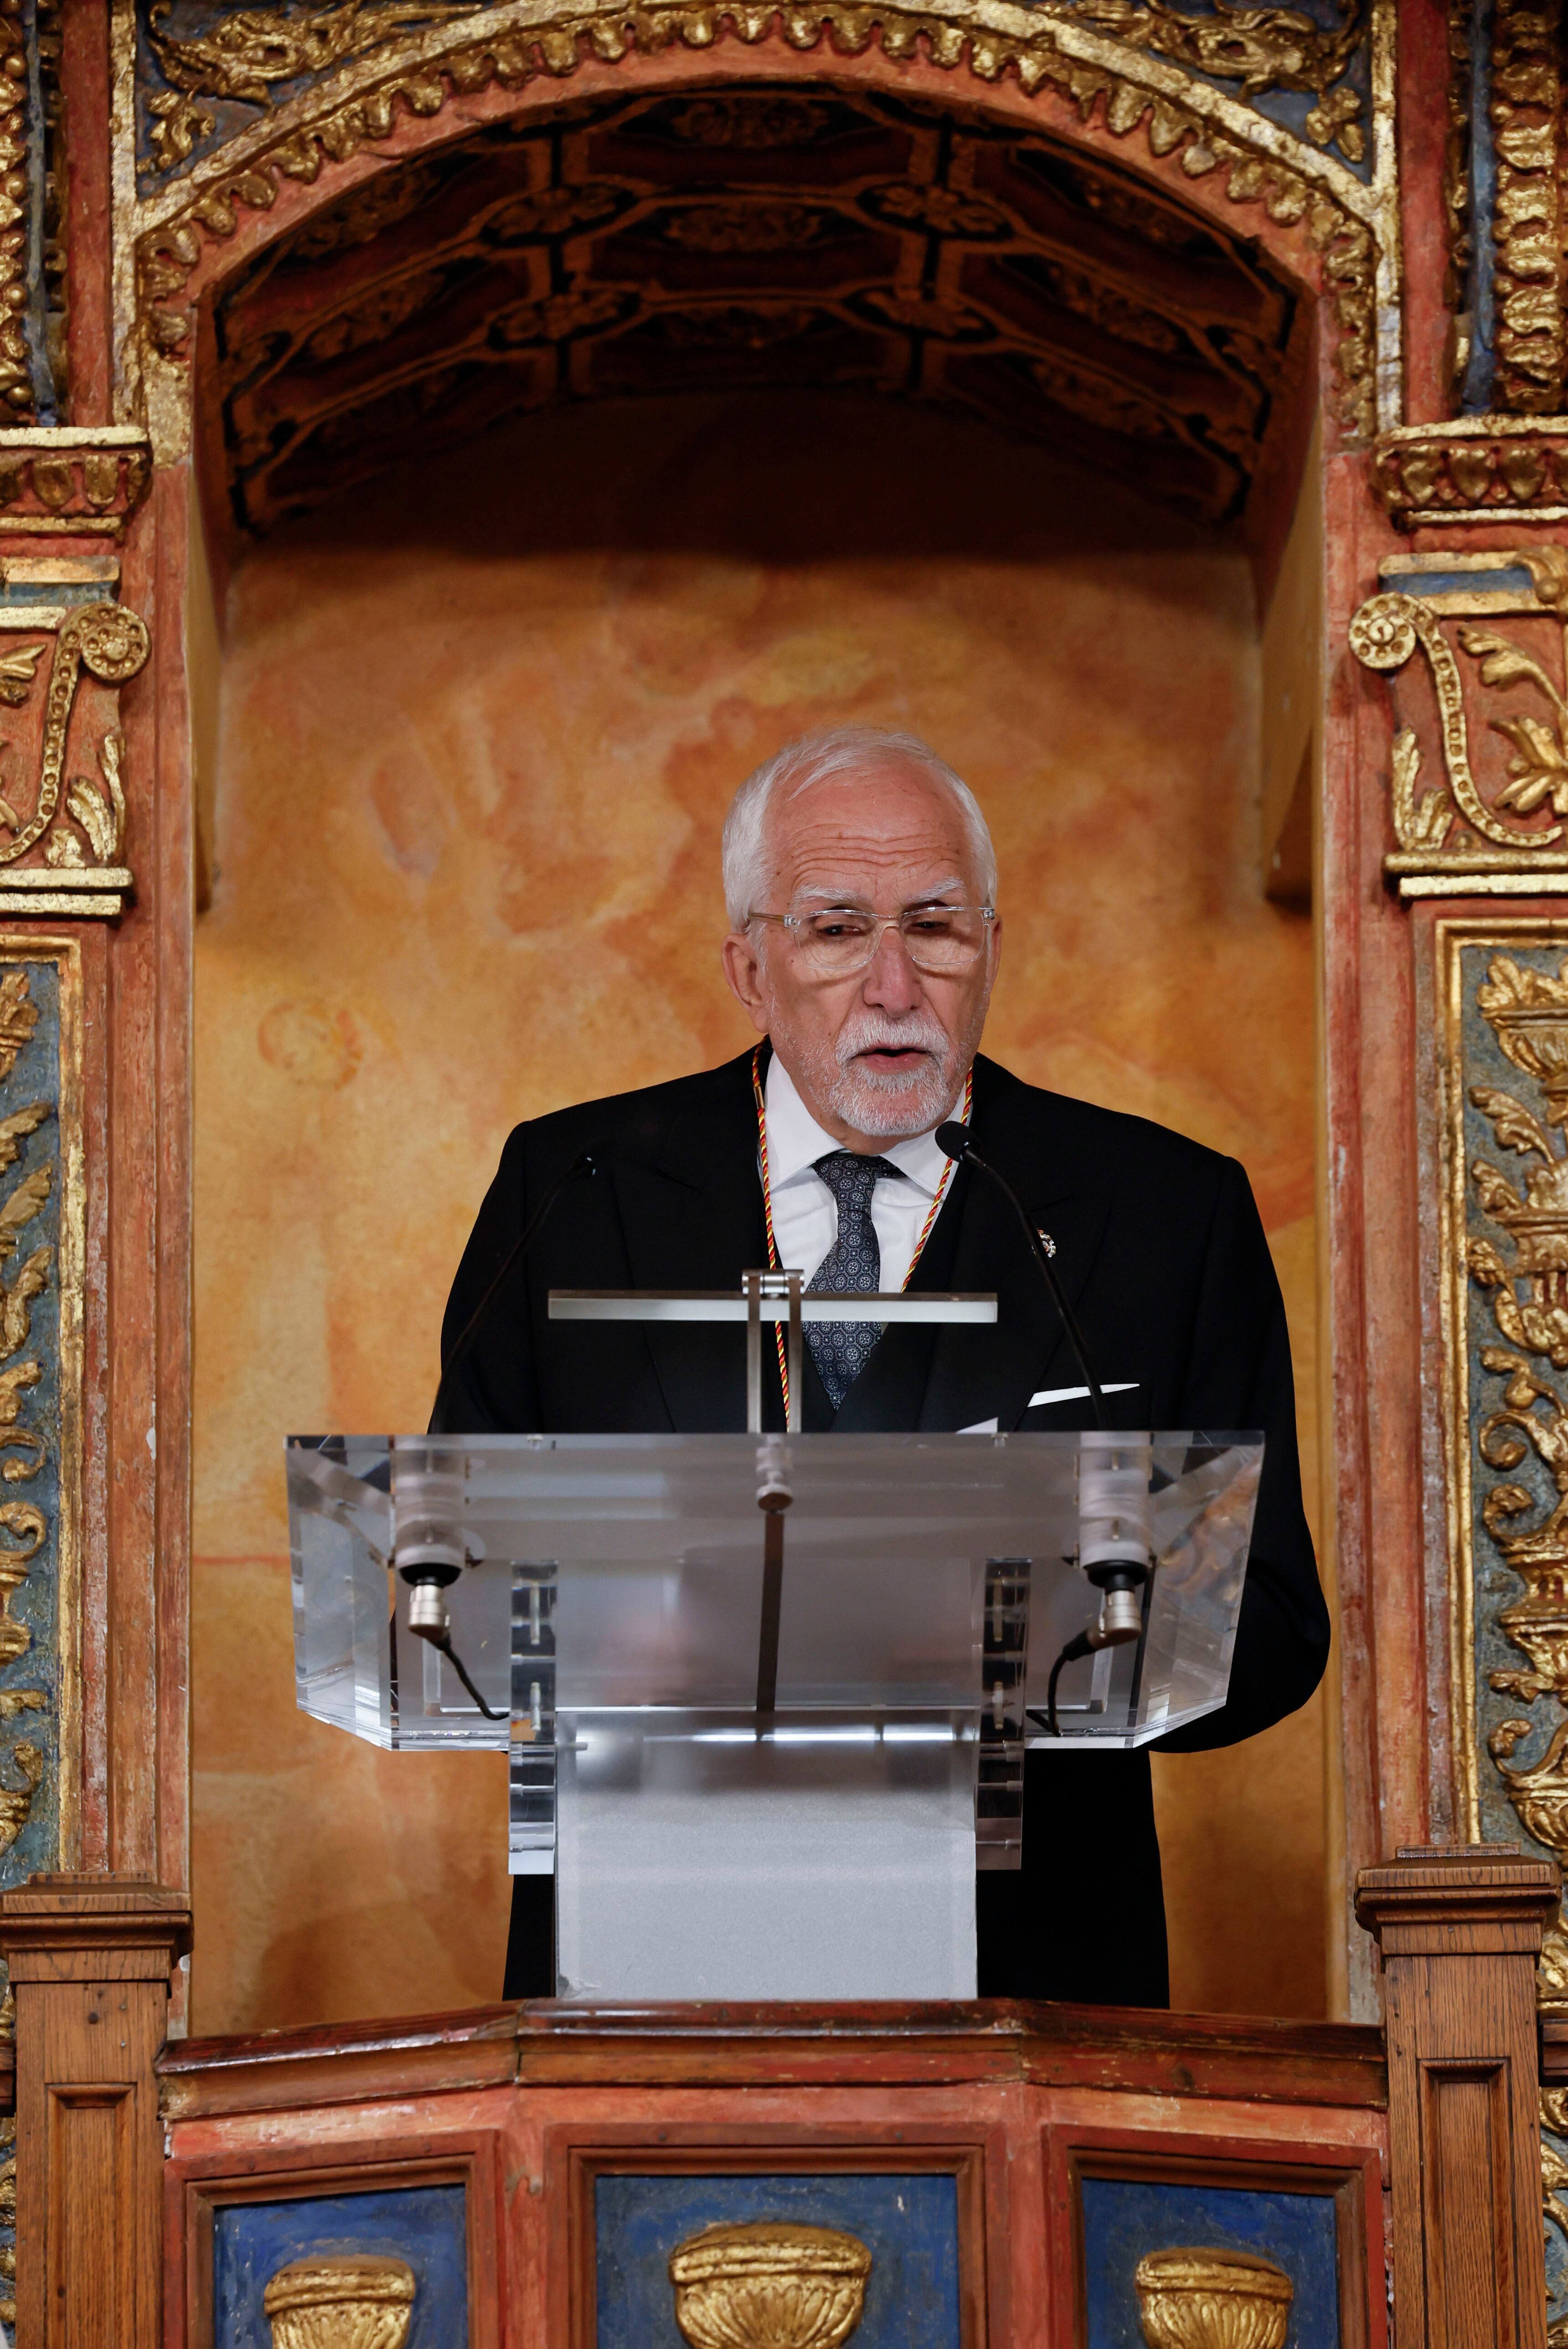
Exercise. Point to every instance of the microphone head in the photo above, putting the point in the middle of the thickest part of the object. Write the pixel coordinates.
(954, 1138)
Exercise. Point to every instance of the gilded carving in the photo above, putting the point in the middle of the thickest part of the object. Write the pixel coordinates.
(1467, 838)
(1527, 263)
(1177, 115)
(79, 819)
(16, 395)
(1512, 1251)
(1201, 2299)
(1261, 48)
(1477, 469)
(348, 2300)
(770, 2284)
(18, 1017)
(100, 813)
(16, 1803)
(88, 483)
(41, 1210)
(246, 56)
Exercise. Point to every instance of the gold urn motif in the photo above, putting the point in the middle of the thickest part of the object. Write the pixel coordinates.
(769, 2285)
(1199, 2299)
(352, 2300)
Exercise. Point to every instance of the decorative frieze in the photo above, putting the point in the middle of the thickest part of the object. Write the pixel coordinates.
(1477, 765)
(1477, 468)
(72, 482)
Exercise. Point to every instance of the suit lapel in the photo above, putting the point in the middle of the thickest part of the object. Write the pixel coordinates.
(691, 1210)
(976, 1371)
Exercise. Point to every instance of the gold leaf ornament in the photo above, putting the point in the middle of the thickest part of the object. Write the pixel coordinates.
(245, 54)
(770, 2284)
(1503, 662)
(1548, 568)
(1203, 2299)
(348, 2300)
(1383, 633)
(16, 1802)
(17, 670)
(1538, 772)
(18, 1017)
(1514, 1125)
(16, 1299)
(1423, 823)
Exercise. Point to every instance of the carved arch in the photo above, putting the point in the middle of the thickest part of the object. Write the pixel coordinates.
(1292, 220)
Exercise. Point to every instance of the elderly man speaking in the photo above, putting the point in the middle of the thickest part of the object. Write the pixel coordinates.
(864, 938)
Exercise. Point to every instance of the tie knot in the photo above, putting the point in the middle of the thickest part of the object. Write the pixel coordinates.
(851, 1178)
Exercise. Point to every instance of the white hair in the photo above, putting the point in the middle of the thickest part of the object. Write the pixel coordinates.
(834, 752)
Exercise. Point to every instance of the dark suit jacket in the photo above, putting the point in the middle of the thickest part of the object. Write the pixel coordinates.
(1160, 1249)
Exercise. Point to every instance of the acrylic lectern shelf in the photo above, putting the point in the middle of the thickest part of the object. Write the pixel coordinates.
(607, 1600)
(646, 1553)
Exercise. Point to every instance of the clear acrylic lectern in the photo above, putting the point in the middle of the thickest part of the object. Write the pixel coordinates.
(766, 1699)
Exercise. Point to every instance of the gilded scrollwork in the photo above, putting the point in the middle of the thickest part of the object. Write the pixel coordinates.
(1259, 48)
(1493, 819)
(1507, 1242)
(1527, 99)
(17, 396)
(1514, 1249)
(1123, 85)
(40, 1368)
(74, 822)
(249, 58)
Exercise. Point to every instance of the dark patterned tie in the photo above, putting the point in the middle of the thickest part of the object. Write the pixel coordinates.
(840, 1348)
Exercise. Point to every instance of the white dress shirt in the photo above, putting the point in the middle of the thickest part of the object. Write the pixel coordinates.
(805, 1215)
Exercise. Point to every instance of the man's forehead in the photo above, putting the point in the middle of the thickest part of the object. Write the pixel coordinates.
(882, 808)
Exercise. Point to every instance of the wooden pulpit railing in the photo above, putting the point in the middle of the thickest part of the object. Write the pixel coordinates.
(554, 2174)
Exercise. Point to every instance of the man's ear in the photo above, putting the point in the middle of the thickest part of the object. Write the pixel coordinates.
(743, 973)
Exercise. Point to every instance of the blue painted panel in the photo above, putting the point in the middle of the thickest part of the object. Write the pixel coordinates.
(425, 2225)
(1480, 294)
(1507, 579)
(29, 1685)
(1124, 2218)
(910, 2223)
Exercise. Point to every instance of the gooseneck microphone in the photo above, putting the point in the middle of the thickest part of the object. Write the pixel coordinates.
(1117, 1575)
(956, 1140)
(429, 1553)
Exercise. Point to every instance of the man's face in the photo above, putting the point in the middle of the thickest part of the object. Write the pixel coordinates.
(882, 1052)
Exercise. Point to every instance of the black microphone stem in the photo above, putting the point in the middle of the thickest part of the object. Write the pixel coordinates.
(963, 1150)
(581, 1164)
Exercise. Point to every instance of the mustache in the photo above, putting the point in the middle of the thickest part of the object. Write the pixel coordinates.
(866, 1031)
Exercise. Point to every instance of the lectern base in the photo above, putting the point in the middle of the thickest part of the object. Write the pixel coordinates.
(818, 1863)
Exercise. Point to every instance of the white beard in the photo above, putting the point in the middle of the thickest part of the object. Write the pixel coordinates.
(889, 1101)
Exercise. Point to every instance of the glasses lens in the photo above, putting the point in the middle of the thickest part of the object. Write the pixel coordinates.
(943, 937)
(837, 939)
(935, 938)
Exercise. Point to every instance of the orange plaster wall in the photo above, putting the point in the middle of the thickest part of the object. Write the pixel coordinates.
(478, 728)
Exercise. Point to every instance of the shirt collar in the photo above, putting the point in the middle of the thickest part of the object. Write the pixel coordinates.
(796, 1141)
